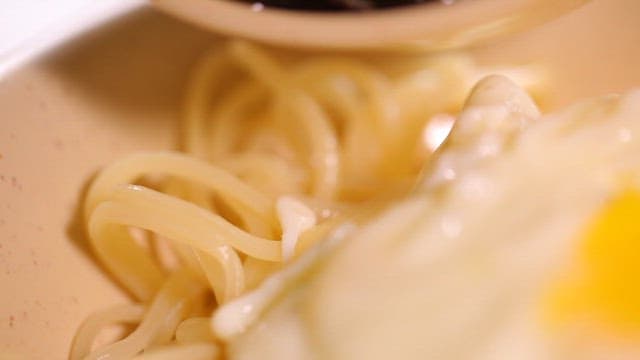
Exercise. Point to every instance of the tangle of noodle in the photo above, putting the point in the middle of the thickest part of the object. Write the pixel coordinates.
(281, 150)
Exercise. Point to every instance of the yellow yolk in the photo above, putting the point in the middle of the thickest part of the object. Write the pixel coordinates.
(606, 285)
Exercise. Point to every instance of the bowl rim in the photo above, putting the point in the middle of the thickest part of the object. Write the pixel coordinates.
(447, 24)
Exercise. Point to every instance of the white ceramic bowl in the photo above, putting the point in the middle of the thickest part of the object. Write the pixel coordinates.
(117, 89)
(430, 25)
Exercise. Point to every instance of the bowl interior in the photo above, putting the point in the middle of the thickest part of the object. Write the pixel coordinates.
(118, 89)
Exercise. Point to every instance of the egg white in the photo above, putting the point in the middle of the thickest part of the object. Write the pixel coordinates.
(462, 268)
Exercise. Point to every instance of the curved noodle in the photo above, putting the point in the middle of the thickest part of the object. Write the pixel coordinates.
(170, 306)
(241, 197)
(92, 325)
(144, 208)
(303, 147)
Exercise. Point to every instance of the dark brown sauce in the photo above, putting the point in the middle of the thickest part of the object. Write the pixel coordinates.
(338, 5)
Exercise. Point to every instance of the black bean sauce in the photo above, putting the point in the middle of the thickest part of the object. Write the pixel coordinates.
(338, 5)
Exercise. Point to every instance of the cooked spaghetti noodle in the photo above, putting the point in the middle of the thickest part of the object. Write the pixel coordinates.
(281, 154)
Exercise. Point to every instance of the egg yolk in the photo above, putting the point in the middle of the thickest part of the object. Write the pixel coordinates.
(605, 286)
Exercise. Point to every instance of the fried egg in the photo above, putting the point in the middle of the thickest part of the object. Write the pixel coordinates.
(521, 241)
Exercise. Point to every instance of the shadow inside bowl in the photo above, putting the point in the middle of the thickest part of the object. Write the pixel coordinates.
(138, 62)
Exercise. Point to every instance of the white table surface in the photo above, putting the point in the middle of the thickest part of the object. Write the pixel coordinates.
(29, 27)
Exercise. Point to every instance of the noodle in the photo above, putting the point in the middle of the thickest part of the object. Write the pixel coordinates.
(170, 306)
(180, 352)
(282, 155)
(92, 325)
(194, 330)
